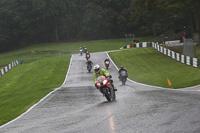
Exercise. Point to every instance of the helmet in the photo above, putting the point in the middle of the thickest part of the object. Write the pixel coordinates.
(121, 67)
(97, 68)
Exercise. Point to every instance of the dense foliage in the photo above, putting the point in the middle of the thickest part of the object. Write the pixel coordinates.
(31, 21)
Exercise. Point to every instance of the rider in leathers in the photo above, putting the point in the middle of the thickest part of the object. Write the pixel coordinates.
(122, 69)
(87, 55)
(107, 59)
(98, 71)
(89, 62)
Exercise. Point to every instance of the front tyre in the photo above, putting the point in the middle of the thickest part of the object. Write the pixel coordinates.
(123, 81)
(107, 94)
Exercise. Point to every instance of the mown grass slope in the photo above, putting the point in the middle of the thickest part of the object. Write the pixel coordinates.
(26, 84)
(147, 65)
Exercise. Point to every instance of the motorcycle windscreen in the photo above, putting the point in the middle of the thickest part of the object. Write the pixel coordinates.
(101, 79)
(123, 73)
(107, 62)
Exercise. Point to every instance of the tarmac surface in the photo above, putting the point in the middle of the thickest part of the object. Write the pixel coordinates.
(78, 106)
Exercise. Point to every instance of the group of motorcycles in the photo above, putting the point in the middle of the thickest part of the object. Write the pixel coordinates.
(105, 84)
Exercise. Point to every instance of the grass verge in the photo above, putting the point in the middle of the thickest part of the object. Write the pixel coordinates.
(26, 84)
(39, 51)
(146, 65)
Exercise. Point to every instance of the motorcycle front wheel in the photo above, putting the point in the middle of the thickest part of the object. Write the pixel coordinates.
(107, 95)
(123, 81)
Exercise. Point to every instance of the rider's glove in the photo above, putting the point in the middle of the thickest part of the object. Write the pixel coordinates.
(109, 77)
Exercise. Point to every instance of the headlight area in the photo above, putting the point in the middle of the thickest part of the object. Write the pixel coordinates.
(105, 81)
(98, 84)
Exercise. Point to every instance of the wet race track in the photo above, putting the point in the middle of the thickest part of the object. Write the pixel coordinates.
(79, 107)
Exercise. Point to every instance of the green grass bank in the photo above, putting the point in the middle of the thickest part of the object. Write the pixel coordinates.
(26, 84)
(147, 65)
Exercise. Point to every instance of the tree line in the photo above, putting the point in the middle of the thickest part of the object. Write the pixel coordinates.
(24, 22)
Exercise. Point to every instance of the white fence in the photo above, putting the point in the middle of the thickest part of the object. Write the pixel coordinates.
(182, 58)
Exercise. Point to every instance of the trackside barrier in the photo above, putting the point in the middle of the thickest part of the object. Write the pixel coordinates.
(179, 57)
(9, 67)
(139, 45)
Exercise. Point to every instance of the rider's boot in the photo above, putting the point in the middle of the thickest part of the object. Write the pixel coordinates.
(114, 88)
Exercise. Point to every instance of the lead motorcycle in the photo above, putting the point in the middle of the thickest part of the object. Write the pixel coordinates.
(105, 87)
(123, 77)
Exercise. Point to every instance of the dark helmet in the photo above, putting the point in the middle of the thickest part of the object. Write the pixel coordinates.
(121, 67)
(97, 68)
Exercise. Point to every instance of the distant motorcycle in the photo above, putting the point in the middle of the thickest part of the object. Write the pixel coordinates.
(105, 87)
(80, 51)
(87, 56)
(85, 50)
(123, 77)
(89, 67)
(107, 63)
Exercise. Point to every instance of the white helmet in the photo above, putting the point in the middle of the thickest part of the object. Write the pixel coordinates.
(96, 68)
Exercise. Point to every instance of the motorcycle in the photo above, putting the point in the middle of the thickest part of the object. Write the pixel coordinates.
(105, 87)
(85, 50)
(89, 67)
(87, 57)
(123, 77)
(80, 51)
(107, 63)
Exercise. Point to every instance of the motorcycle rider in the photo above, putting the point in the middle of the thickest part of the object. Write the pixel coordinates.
(122, 69)
(89, 62)
(98, 71)
(107, 59)
(85, 49)
(87, 55)
(80, 50)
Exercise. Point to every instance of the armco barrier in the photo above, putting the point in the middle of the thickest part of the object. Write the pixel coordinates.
(9, 67)
(179, 57)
